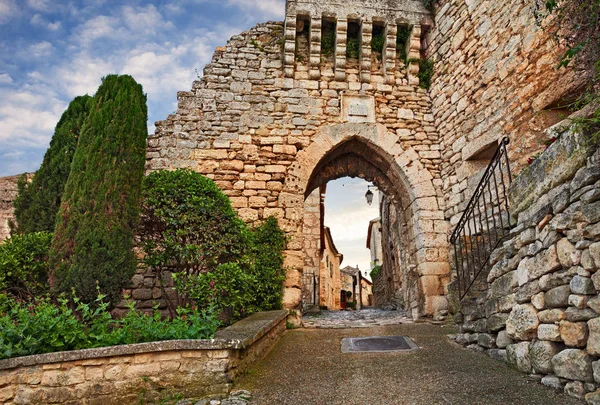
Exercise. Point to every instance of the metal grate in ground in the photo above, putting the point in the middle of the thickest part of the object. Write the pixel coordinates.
(378, 344)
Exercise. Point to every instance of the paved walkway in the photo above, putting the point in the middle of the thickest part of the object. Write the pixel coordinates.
(365, 318)
(307, 367)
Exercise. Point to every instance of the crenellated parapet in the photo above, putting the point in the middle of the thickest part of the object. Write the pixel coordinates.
(370, 18)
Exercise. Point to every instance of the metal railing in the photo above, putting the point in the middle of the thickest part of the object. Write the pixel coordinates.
(484, 224)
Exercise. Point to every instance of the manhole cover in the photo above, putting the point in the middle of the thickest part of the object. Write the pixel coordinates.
(378, 344)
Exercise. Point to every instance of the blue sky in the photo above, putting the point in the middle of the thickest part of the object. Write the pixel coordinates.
(54, 50)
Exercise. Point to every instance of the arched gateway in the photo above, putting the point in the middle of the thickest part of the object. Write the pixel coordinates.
(270, 128)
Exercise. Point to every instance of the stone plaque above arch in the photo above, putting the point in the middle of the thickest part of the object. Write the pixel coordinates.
(358, 109)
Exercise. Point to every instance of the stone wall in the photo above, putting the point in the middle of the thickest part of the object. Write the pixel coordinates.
(541, 312)
(143, 373)
(495, 76)
(269, 132)
(329, 280)
(8, 194)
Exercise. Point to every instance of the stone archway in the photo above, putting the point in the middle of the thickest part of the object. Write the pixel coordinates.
(372, 152)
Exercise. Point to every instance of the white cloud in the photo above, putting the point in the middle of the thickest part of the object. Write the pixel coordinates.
(41, 49)
(5, 78)
(268, 8)
(8, 9)
(39, 21)
(40, 5)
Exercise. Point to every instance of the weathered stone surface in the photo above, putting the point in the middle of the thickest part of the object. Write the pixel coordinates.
(575, 389)
(553, 381)
(541, 354)
(573, 364)
(551, 315)
(539, 301)
(535, 267)
(577, 315)
(503, 340)
(596, 280)
(556, 279)
(594, 303)
(578, 301)
(518, 356)
(596, 368)
(549, 332)
(486, 340)
(522, 322)
(595, 253)
(593, 343)
(582, 285)
(558, 297)
(567, 254)
(573, 334)
(497, 354)
(496, 322)
(593, 398)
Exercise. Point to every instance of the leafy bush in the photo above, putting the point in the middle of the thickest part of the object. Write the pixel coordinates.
(430, 5)
(353, 48)
(328, 43)
(377, 43)
(93, 239)
(375, 271)
(425, 72)
(401, 41)
(351, 305)
(188, 224)
(188, 227)
(45, 327)
(38, 201)
(24, 264)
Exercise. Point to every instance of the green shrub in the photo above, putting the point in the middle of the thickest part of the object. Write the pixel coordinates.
(353, 48)
(375, 271)
(24, 264)
(377, 43)
(328, 43)
(38, 201)
(188, 224)
(430, 5)
(351, 305)
(93, 239)
(425, 72)
(188, 227)
(401, 42)
(43, 326)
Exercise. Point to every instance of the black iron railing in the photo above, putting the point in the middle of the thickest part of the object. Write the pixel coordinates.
(483, 225)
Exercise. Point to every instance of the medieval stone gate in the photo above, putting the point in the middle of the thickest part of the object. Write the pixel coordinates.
(270, 125)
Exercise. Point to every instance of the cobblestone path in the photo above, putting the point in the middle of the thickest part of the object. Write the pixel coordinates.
(307, 367)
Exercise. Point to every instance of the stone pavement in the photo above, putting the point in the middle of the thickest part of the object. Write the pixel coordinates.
(307, 367)
(365, 318)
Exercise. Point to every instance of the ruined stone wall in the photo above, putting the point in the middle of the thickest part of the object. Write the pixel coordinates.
(542, 310)
(260, 126)
(495, 76)
(8, 194)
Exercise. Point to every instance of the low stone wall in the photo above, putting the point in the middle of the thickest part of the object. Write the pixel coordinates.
(541, 311)
(142, 373)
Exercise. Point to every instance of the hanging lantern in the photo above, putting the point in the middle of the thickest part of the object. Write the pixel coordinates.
(369, 196)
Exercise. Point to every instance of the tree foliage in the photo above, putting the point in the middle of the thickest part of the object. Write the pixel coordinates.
(24, 265)
(38, 201)
(93, 240)
(188, 227)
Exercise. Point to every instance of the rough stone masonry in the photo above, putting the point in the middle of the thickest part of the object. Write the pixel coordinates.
(284, 108)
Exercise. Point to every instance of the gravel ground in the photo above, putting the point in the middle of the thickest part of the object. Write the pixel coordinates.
(307, 367)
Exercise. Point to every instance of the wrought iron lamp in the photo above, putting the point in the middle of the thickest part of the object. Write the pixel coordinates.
(369, 195)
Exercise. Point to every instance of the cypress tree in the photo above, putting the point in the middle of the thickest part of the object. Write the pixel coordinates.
(94, 235)
(39, 200)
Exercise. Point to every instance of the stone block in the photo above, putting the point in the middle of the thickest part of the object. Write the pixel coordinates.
(497, 354)
(518, 356)
(558, 297)
(594, 303)
(593, 344)
(539, 301)
(582, 285)
(486, 340)
(578, 301)
(595, 254)
(566, 252)
(596, 368)
(573, 364)
(553, 381)
(496, 322)
(549, 332)
(522, 322)
(541, 354)
(503, 340)
(577, 315)
(573, 334)
(593, 398)
(575, 389)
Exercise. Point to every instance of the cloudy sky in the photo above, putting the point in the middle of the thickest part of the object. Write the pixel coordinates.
(54, 50)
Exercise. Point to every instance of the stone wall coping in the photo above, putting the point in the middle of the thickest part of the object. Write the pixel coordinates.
(238, 336)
